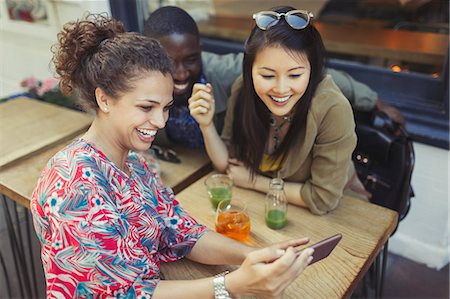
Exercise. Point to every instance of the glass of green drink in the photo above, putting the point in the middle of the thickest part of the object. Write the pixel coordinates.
(275, 218)
(219, 188)
(276, 205)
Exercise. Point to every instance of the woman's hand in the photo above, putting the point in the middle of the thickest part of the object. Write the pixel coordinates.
(240, 174)
(201, 104)
(269, 271)
(395, 114)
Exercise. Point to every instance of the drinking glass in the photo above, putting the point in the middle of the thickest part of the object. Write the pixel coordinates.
(276, 205)
(219, 188)
(232, 220)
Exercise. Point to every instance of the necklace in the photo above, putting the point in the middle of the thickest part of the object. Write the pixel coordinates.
(277, 129)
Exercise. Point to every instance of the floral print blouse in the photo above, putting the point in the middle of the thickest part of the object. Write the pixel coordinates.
(104, 233)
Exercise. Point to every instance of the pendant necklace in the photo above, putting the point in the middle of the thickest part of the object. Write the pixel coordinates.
(277, 129)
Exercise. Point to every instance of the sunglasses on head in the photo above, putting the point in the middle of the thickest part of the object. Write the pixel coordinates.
(297, 19)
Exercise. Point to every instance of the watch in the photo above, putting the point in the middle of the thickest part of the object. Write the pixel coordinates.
(220, 292)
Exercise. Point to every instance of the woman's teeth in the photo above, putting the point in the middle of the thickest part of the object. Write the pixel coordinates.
(146, 132)
(280, 100)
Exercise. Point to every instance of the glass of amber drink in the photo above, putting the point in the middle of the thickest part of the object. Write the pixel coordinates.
(232, 220)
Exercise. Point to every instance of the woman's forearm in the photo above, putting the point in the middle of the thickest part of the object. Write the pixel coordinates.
(261, 183)
(291, 189)
(293, 193)
(198, 288)
(214, 249)
(215, 147)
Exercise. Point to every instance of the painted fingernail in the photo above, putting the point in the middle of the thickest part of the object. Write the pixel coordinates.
(310, 259)
(280, 252)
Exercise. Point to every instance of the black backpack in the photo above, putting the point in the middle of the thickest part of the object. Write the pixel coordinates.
(384, 161)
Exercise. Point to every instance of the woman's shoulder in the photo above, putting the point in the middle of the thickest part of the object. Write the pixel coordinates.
(328, 97)
(72, 153)
(75, 161)
(75, 154)
(328, 93)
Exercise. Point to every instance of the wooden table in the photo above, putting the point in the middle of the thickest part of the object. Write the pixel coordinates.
(18, 179)
(367, 41)
(194, 164)
(28, 125)
(365, 228)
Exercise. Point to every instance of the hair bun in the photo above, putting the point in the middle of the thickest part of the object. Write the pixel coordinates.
(79, 40)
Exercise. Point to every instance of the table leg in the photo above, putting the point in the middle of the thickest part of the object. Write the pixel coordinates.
(12, 242)
(383, 269)
(18, 249)
(8, 285)
(381, 263)
(30, 251)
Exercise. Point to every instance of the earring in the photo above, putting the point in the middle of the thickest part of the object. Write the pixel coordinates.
(106, 109)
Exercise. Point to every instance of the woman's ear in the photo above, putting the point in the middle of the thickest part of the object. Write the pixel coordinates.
(102, 100)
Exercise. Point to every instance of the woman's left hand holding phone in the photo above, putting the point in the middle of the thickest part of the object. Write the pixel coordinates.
(201, 104)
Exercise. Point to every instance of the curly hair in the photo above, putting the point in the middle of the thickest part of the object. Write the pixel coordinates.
(97, 52)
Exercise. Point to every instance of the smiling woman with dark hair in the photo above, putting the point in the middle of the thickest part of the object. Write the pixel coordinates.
(285, 117)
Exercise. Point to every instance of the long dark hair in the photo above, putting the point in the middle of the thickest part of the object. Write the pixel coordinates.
(250, 129)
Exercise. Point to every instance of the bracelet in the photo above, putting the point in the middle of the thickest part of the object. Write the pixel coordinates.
(220, 292)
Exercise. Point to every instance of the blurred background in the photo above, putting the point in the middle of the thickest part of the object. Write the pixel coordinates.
(355, 33)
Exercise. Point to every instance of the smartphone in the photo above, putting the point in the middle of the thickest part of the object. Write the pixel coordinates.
(323, 248)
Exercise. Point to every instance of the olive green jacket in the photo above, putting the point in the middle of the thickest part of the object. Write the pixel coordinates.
(321, 157)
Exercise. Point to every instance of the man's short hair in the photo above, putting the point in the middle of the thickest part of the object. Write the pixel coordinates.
(167, 20)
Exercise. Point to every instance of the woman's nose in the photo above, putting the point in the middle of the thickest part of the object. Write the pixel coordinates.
(281, 86)
(159, 119)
